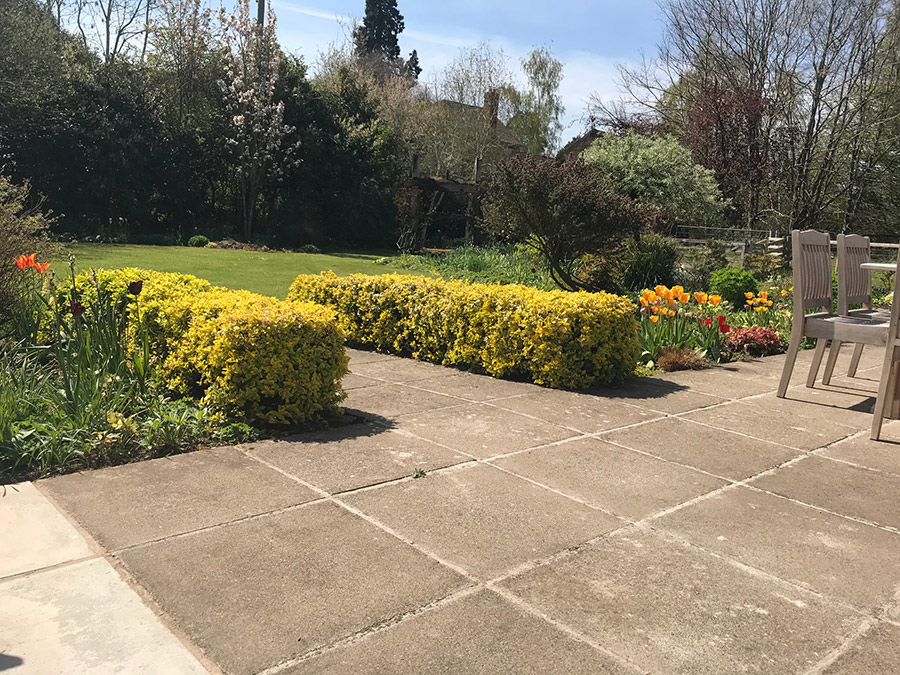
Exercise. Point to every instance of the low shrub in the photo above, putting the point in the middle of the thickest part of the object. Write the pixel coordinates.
(683, 358)
(733, 283)
(260, 359)
(554, 338)
(755, 341)
(649, 261)
(249, 357)
(198, 241)
(309, 248)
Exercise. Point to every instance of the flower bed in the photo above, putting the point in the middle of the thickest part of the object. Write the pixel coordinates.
(555, 338)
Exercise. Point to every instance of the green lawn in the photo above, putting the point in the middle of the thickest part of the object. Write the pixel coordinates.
(265, 273)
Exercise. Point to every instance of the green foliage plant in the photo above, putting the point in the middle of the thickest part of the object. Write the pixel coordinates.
(732, 283)
(659, 172)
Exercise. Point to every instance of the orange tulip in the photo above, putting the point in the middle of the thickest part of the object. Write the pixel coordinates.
(715, 299)
(748, 295)
(21, 262)
(654, 318)
(644, 302)
(671, 312)
(29, 260)
(41, 267)
(701, 298)
(764, 295)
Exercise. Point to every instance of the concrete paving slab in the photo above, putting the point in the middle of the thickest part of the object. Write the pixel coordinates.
(388, 401)
(674, 609)
(354, 456)
(617, 480)
(802, 430)
(134, 503)
(483, 430)
(481, 634)
(263, 591)
(725, 381)
(881, 455)
(657, 393)
(820, 403)
(877, 652)
(34, 533)
(717, 451)
(354, 381)
(476, 388)
(483, 519)
(838, 487)
(83, 618)
(850, 561)
(401, 370)
(360, 356)
(583, 412)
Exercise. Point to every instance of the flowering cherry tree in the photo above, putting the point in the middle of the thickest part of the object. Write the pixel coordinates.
(259, 138)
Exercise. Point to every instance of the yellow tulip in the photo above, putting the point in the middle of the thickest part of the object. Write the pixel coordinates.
(758, 309)
(748, 295)
(660, 290)
(783, 293)
(677, 290)
(644, 302)
(768, 303)
(701, 298)
(685, 298)
(654, 318)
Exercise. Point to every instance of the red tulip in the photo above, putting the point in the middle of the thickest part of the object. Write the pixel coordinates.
(135, 287)
(76, 307)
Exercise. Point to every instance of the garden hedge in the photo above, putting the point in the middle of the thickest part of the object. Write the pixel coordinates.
(251, 358)
(555, 338)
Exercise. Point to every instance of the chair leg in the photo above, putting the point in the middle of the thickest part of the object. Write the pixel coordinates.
(885, 391)
(791, 358)
(832, 359)
(854, 362)
(821, 343)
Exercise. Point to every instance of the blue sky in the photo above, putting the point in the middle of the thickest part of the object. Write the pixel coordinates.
(589, 36)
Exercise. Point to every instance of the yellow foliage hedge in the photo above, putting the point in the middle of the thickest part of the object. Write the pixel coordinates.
(250, 357)
(554, 338)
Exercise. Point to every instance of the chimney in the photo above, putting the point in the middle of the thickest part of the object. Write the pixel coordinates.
(491, 108)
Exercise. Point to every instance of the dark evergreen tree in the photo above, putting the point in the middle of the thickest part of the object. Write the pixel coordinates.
(379, 30)
(412, 64)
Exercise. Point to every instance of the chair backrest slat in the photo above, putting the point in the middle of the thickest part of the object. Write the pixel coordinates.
(854, 283)
(812, 270)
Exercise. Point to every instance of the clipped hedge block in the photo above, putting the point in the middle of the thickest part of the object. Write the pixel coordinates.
(251, 358)
(555, 338)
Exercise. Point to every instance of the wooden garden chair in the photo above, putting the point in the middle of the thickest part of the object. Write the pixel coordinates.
(886, 403)
(854, 288)
(812, 290)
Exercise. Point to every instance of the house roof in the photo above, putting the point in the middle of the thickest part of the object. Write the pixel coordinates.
(579, 144)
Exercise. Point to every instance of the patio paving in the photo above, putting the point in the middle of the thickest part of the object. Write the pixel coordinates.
(687, 523)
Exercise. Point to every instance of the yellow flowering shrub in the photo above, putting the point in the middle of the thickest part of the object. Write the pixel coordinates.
(250, 357)
(260, 359)
(555, 338)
